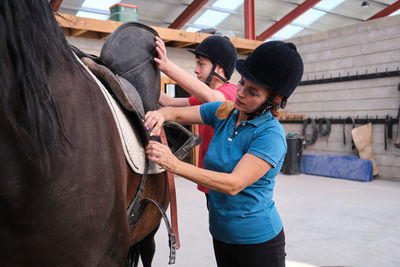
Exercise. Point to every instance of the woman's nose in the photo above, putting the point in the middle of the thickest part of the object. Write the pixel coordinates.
(240, 91)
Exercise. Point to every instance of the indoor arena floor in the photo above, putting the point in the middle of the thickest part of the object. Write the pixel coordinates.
(327, 222)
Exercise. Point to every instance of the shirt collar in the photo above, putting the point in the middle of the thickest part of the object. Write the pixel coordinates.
(259, 120)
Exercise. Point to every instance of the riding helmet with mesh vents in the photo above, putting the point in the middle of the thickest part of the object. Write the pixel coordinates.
(220, 50)
(275, 65)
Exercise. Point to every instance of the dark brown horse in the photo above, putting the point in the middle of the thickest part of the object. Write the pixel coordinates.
(64, 182)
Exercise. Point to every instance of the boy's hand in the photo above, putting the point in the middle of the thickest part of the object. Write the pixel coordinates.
(162, 59)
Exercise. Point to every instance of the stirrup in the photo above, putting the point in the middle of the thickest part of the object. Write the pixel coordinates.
(180, 140)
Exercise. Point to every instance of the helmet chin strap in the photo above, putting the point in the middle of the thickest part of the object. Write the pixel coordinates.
(213, 73)
(266, 106)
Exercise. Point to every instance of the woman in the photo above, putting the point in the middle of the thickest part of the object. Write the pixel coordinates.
(244, 156)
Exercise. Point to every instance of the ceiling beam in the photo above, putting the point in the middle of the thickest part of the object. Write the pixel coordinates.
(249, 24)
(187, 14)
(299, 10)
(386, 11)
(55, 4)
(100, 29)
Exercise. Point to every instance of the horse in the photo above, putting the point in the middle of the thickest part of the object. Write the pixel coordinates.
(65, 185)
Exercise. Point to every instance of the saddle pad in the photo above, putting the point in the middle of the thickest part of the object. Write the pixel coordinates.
(133, 149)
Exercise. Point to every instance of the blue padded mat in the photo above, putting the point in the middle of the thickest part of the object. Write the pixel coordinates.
(345, 167)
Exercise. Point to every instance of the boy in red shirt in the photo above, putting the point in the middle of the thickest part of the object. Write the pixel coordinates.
(215, 62)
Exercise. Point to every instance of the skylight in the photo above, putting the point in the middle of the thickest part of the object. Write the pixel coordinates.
(309, 17)
(99, 5)
(329, 4)
(395, 13)
(287, 32)
(104, 4)
(192, 29)
(228, 4)
(211, 18)
(92, 15)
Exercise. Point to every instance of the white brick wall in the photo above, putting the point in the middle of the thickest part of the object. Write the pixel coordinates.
(372, 46)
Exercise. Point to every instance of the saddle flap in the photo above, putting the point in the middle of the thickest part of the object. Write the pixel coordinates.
(125, 92)
(129, 52)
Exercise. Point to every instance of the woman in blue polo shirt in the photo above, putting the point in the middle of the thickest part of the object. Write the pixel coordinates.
(244, 156)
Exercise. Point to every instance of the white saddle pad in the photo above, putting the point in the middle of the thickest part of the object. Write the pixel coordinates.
(133, 149)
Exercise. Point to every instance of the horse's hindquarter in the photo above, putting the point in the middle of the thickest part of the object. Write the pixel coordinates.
(89, 187)
(76, 216)
(112, 183)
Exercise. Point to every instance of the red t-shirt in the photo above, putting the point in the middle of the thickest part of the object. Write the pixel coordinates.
(206, 132)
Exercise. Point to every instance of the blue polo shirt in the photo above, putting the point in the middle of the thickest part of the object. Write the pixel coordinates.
(250, 217)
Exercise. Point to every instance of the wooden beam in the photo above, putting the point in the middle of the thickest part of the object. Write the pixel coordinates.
(101, 29)
(386, 11)
(249, 24)
(79, 23)
(306, 5)
(55, 4)
(187, 14)
(76, 32)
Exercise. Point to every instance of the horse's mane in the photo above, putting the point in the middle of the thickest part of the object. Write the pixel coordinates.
(31, 47)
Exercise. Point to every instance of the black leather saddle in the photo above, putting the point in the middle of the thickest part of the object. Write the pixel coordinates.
(127, 69)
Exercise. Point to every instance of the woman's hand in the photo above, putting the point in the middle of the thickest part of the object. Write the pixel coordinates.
(162, 155)
(154, 121)
(162, 59)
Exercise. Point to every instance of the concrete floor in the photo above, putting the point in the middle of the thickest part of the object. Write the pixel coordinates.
(328, 222)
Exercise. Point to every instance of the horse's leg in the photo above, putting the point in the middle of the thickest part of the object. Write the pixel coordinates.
(147, 248)
(132, 259)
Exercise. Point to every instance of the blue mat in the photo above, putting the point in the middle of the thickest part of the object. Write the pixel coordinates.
(345, 167)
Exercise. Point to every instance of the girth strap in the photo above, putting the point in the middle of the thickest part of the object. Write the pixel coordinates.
(172, 197)
(138, 204)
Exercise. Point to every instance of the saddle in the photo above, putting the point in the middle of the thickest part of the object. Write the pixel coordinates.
(127, 70)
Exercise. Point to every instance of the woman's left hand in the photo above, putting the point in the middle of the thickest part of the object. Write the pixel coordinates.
(154, 121)
(162, 155)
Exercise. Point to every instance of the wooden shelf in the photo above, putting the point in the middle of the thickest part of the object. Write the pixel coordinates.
(100, 29)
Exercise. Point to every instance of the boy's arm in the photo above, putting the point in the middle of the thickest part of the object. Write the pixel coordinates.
(188, 82)
(167, 101)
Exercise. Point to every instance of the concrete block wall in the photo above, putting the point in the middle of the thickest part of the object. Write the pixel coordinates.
(366, 47)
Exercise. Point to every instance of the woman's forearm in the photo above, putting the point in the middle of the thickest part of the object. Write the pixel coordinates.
(218, 181)
(182, 115)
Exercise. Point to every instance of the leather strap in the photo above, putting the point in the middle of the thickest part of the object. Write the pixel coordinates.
(397, 141)
(172, 197)
(344, 131)
(388, 129)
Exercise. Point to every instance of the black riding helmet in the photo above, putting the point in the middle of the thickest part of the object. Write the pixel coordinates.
(220, 51)
(275, 65)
